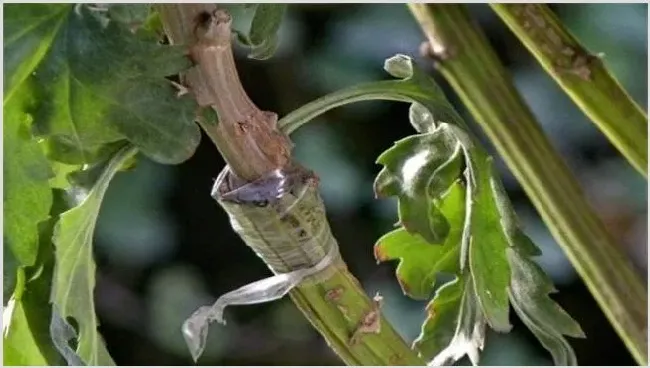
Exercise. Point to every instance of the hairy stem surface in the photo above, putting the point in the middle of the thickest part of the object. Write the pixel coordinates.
(465, 59)
(583, 77)
(251, 144)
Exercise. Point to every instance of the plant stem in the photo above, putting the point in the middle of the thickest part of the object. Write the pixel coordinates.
(583, 77)
(252, 146)
(465, 59)
(245, 136)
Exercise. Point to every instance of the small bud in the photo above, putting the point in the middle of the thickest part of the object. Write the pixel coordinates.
(399, 66)
(421, 118)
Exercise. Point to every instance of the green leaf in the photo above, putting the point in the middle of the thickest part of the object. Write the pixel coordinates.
(132, 15)
(264, 24)
(418, 170)
(421, 261)
(61, 173)
(74, 275)
(547, 320)
(19, 344)
(9, 269)
(26, 337)
(154, 24)
(455, 323)
(97, 83)
(69, 154)
(487, 241)
(27, 196)
(28, 34)
(439, 327)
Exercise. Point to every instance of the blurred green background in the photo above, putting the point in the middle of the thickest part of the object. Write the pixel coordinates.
(164, 247)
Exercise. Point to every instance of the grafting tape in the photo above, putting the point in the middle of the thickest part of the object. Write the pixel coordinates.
(282, 218)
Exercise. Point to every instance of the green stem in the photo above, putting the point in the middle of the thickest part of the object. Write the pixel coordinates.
(466, 60)
(384, 90)
(583, 77)
(253, 146)
(337, 321)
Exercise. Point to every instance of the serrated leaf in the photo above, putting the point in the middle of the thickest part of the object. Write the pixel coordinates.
(421, 261)
(490, 228)
(74, 274)
(418, 170)
(439, 156)
(492, 231)
(27, 197)
(546, 319)
(99, 83)
(440, 325)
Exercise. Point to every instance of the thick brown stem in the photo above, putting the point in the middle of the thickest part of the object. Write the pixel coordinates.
(246, 136)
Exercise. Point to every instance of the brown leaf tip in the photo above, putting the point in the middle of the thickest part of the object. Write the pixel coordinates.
(380, 256)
